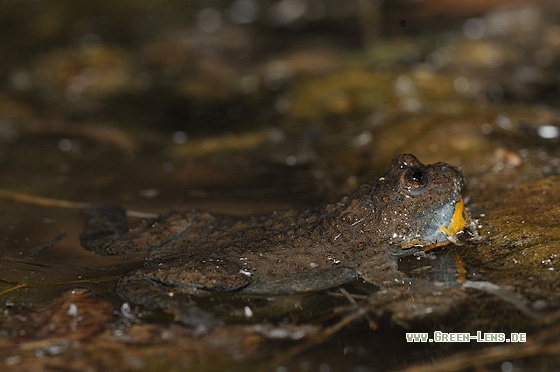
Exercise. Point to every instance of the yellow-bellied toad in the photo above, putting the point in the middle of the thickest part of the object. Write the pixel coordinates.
(412, 206)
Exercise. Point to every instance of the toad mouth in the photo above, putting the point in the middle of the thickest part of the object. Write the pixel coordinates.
(459, 221)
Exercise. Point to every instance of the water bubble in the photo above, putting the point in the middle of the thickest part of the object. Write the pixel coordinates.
(179, 137)
(12, 360)
(244, 11)
(362, 139)
(403, 84)
(291, 160)
(65, 145)
(286, 11)
(526, 74)
(487, 128)
(461, 84)
(548, 131)
(474, 28)
(209, 20)
(506, 367)
(504, 122)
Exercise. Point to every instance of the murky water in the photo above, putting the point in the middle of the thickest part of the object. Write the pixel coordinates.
(248, 107)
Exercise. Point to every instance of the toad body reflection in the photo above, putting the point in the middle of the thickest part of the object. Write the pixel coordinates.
(413, 206)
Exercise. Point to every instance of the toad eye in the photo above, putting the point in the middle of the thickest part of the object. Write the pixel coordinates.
(416, 181)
